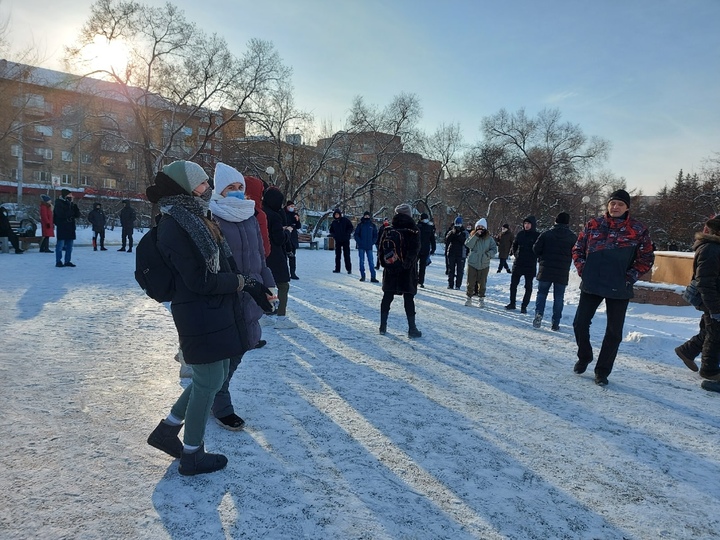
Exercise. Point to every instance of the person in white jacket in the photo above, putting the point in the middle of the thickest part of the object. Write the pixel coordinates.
(482, 248)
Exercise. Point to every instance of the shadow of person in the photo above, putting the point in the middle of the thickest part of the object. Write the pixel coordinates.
(188, 505)
(31, 303)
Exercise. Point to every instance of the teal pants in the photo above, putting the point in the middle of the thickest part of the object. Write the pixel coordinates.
(194, 403)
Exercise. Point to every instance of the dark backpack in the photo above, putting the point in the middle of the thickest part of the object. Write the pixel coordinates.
(392, 250)
(151, 271)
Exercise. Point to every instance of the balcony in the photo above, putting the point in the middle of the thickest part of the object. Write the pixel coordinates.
(33, 159)
(32, 135)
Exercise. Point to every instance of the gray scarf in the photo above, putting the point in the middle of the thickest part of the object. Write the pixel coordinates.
(189, 213)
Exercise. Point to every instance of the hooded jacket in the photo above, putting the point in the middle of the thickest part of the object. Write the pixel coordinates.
(97, 219)
(341, 228)
(554, 251)
(706, 269)
(525, 259)
(254, 191)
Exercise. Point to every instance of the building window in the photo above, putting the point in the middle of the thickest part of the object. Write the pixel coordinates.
(130, 164)
(15, 150)
(47, 153)
(45, 130)
(67, 156)
(41, 176)
(66, 179)
(84, 180)
(13, 174)
(109, 183)
(67, 133)
(86, 159)
(187, 131)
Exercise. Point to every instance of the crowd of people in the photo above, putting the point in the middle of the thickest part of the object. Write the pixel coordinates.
(232, 251)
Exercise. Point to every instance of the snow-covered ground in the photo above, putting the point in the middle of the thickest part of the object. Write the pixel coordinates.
(479, 429)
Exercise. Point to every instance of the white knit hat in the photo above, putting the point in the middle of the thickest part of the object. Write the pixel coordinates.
(226, 175)
(482, 222)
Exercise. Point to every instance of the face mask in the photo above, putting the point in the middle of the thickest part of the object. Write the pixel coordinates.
(236, 194)
(291, 208)
(426, 221)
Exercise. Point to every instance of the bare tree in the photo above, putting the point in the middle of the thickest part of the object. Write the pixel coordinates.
(175, 75)
(444, 147)
(548, 152)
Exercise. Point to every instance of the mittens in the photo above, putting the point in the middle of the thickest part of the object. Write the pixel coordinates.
(259, 293)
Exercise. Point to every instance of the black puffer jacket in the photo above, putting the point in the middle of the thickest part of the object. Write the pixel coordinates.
(277, 260)
(64, 215)
(706, 269)
(205, 306)
(455, 242)
(525, 259)
(406, 280)
(427, 238)
(554, 252)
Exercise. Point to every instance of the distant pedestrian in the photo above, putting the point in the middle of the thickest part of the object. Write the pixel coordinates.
(47, 226)
(481, 249)
(385, 223)
(293, 221)
(341, 230)
(98, 220)
(611, 254)
(427, 245)
(706, 273)
(366, 236)
(456, 253)
(127, 222)
(554, 251)
(401, 281)
(525, 264)
(504, 242)
(65, 214)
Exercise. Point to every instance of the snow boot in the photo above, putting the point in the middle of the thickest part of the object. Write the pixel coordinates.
(165, 437)
(687, 360)
(200, 462)
(413, 332)
(383, 321)
(537, 320)
(468, 302)
(481, 302)
(710, 386)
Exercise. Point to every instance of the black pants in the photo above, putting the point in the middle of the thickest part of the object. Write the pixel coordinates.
(515, 281)
(422, 259)
(503, 264)
(343, 247)
(127, 235)
(45, 244)
(615, 311)
(101, 234)
(456, 267)
(707, 342)
(292, 262)
(408, 301)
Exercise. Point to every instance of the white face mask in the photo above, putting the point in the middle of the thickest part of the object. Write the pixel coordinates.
(426, 221)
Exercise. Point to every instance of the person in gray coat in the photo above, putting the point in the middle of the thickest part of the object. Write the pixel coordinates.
(554, 252)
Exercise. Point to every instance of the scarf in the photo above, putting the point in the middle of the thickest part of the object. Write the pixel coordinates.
(232, 209)
(189, 214)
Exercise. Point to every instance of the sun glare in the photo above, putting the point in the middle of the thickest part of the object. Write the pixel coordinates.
(107, 56)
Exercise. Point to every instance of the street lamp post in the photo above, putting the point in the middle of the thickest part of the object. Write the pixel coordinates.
(270, 171)
(585, 201)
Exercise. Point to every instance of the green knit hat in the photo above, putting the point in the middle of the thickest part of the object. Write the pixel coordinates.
(186, 174)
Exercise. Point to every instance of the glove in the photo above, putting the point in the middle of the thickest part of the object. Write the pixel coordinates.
(259, 293)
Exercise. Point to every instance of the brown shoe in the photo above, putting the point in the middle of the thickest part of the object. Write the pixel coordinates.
(689, 362)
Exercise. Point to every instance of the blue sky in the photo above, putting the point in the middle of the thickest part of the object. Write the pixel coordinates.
(643, 74)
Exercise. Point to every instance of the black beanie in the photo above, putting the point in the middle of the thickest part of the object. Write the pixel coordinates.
(563, 218)
(714, 225)
(620, 195)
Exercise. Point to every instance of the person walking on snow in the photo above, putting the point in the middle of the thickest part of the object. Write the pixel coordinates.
(554, 252)
(504, 241)
(611, 253)
(455, 253)
(366, 236)
(481, 249)
(706, 273)
(127, 222)
(98, 220)
(341, 230)
(402, 281)
(525, 264)
(427, 245)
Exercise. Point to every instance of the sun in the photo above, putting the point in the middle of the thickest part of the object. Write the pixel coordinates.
(104, 55)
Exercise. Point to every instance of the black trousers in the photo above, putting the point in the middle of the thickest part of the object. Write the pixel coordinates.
(422, 259)
(408, 301)
(615, 311)
(515, 281)
(344, 249)
(456, 267)
(503, 264)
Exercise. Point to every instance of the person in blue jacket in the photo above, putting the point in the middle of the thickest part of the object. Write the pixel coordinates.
(366, 236)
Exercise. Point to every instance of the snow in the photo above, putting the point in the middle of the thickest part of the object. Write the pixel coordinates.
(479, 429)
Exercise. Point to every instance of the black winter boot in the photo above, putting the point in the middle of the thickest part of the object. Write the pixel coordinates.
(383, 321)
(200, 462)
(165, 437)
(413, 332)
